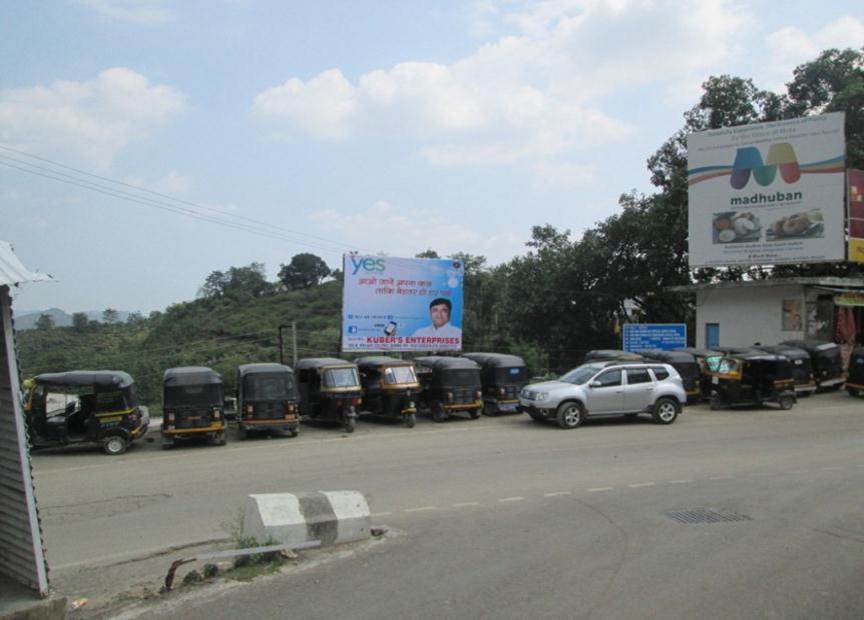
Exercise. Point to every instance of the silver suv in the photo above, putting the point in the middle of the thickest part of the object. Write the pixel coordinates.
(606, 389)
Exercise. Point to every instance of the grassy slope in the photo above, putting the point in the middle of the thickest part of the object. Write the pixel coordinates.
(220, 333)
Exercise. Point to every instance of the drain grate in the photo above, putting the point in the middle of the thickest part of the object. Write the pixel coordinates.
(705, 515)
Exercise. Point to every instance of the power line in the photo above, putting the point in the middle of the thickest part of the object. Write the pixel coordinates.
(151, 203)
(254, 226)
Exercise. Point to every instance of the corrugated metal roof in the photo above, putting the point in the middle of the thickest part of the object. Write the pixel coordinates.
(11, 269)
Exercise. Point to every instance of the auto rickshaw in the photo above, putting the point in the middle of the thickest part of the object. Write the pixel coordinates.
(503, 377)
(855, 380)
(706, 359)
(802, 367)
(389, 387)
(827, 362)
(85, 406)
(449, 385)
(193, 405)
(754, 378)
(266, 400)
(686, 365)
(329, 390)
(612, 355)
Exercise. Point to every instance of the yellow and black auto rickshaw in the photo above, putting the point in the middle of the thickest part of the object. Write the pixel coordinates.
(752, 379)
(686, 365)
(193, 405)
(828, 371)
(706, 360)
(266, 400)
(449, 385)
(802, 366)
(855, 379)
(85, 406)
(503, 377)
(389, 388)
(329, 390)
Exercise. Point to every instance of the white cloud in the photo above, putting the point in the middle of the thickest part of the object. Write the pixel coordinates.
(172, 184)
(531, 95)
(564, 174)
(397, 231)
(86, 122)
(790, 46)
(136, 11)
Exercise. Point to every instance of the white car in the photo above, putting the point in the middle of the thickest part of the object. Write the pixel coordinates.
(606, 389)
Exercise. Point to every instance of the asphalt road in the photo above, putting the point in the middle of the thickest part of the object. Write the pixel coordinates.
(507, 518)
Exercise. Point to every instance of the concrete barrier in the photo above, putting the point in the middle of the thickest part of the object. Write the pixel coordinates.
(293, 518)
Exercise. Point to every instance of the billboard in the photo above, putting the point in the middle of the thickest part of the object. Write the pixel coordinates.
(855, 194)
(401, 304)
(767, 193)
(664, 336)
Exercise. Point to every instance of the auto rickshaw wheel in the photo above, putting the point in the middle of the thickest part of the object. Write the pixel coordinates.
(786, 402)
(350, 424)
(852, 391)
(570, 415)
(293, 432)
(410, 420)
(219, 438)
(715, 403)
(666, 410)
(242, 433)
(489, 409)
(114, 445)
(438, 413)
(474, 413)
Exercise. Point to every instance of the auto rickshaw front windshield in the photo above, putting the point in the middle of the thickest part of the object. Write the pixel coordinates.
(341, 377)
(269, 386)
(397, 375)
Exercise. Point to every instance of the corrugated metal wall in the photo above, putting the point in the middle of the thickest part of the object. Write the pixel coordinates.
(21, 553)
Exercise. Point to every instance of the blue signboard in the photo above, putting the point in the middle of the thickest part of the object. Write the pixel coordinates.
(654, 336)
(402, 304)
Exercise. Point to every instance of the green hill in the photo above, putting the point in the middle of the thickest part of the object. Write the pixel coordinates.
(217, 332)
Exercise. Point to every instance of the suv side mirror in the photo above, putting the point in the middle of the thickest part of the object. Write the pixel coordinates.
(595, 384)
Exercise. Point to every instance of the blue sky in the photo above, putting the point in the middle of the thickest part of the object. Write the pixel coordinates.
(379, 126)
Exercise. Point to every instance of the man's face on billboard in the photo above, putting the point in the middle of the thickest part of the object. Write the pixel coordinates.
(440, 314)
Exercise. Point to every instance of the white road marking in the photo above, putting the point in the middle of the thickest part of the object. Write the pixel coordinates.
(598, 489)
(684, 481)
(464, 504)
(421, 509)
(639, 485)
(518, 498)
(722, 478)
(381, 514)
(557, 493)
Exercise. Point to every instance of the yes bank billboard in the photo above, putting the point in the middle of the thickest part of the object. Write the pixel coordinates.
(768, 193)
(401, 304)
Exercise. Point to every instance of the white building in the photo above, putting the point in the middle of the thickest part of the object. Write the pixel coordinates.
(739, 314)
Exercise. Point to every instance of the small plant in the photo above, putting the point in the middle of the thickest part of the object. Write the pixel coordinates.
(210, 571)
(193, 576)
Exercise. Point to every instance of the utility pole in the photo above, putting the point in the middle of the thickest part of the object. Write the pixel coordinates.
(294, 340)
(281, 345)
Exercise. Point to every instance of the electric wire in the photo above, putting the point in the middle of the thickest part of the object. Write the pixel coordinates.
(167, 196)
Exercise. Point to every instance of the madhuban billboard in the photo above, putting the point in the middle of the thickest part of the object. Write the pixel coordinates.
(401, 304)
(767, 193)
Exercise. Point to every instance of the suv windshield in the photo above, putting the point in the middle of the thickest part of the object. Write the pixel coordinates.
(580, 375)
(341, 377)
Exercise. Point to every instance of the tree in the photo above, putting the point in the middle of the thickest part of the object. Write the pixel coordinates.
(304, 270)
(44, 322)
(110, 316)
(236, 283)
(428, 253)
(80, 321)
(135, 318)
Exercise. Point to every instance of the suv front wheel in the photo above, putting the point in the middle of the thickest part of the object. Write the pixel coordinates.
(666, 410)
(570, 415)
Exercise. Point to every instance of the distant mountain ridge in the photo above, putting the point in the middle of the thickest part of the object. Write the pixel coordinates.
(28, 319)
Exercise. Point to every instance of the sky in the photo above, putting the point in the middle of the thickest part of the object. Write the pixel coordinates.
(263, 129)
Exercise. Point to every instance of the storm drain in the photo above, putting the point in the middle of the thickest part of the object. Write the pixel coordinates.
(705, 515)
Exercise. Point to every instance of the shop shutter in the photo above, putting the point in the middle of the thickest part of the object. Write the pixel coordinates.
(22, 557)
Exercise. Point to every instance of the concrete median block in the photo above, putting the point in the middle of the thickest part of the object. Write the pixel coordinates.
(293, 518)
